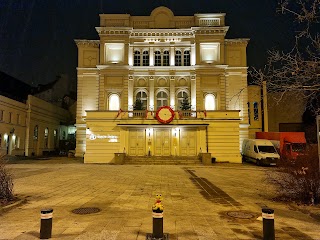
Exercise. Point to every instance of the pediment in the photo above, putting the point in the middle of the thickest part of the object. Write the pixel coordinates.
(162, 17)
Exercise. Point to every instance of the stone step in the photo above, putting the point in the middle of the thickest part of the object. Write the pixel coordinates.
(162, 160)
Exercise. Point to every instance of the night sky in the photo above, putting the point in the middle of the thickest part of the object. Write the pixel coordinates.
(37, 36)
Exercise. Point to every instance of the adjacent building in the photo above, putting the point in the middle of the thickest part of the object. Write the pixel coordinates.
(30, 126)
(161, 85)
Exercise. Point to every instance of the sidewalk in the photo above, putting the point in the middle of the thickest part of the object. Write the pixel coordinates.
(222, 201)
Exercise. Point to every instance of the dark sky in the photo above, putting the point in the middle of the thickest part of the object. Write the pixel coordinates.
(37, 36)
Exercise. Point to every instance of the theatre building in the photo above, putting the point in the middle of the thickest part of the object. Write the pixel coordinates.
(161, 85)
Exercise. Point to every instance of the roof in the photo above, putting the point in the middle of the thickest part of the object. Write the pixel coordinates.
(13, 88)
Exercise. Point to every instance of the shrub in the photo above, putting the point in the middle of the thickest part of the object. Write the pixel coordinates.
(6, 183)
(298, 180)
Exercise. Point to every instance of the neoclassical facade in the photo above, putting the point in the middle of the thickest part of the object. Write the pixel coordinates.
(161, 85)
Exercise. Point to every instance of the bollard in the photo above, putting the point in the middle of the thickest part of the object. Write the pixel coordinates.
(157, 216)
(268, 224)
(46, 223)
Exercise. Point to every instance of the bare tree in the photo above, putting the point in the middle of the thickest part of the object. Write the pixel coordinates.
(296, 72)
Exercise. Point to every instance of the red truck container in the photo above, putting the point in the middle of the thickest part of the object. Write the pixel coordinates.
(290, 145)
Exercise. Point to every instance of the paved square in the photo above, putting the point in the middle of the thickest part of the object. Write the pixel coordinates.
(222, 201)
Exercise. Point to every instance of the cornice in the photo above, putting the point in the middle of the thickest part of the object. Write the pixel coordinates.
(87, 43)
(210, 30)
(237, 41)
(114, 30)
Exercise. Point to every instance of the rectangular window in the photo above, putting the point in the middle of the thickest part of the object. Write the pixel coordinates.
(1, 115)
(178, 58)
(10, 117)
(166, 59)
(136, 58)
(18, 119)
(157, 58)
(145, 58)
(186, 58)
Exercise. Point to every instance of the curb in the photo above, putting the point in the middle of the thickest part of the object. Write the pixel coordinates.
(13, 205)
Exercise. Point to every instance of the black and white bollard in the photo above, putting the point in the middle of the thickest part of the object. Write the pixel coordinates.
(268, 224)
(46, 223)
(157, 229)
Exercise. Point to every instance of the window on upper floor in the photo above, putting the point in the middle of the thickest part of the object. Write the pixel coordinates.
(1, 115)
(186, 58)
(137, 58)
(210, 102)
(114, 102)
(166, 58)
(10, 117)
(255, 111)
(162, 99)
(145, 58)
(177, 58)
(157, 58)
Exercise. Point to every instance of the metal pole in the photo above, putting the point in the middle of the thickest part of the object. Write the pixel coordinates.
(268, 224)
(46, 223)
(157, 230)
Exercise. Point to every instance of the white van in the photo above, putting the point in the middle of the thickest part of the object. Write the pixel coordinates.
(260, 151)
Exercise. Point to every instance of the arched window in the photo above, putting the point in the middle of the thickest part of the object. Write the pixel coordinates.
(114, 102)
(157, 58)
(178, 58)
(186, 58)
(142, 95)
(46, 134)
(136, 58)
(35, 133)
(145, 58)
(255, 111)
(180, 97)
(162, 99)
(166, 58)
(210, 102)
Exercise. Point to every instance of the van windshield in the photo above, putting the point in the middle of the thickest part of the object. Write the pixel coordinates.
(267, 149)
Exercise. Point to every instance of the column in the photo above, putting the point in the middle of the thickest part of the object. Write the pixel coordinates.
(172, 93)
(151, 56)
(130, 93)
(151, 93)
(193, 92)
(193, 55)
(130, 56)
(172, 54)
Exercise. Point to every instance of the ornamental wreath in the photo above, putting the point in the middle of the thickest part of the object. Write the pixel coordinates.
(165, 121)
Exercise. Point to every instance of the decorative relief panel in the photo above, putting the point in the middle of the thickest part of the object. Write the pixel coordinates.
(210, 81)
(90, 58)
(162, 82)
(234, 58)
(141, 82)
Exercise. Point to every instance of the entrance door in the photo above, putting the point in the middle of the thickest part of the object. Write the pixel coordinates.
(137, 142)
(162, 142)
(188, 140)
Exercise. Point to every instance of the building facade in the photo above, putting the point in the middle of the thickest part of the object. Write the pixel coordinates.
(161, 85)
